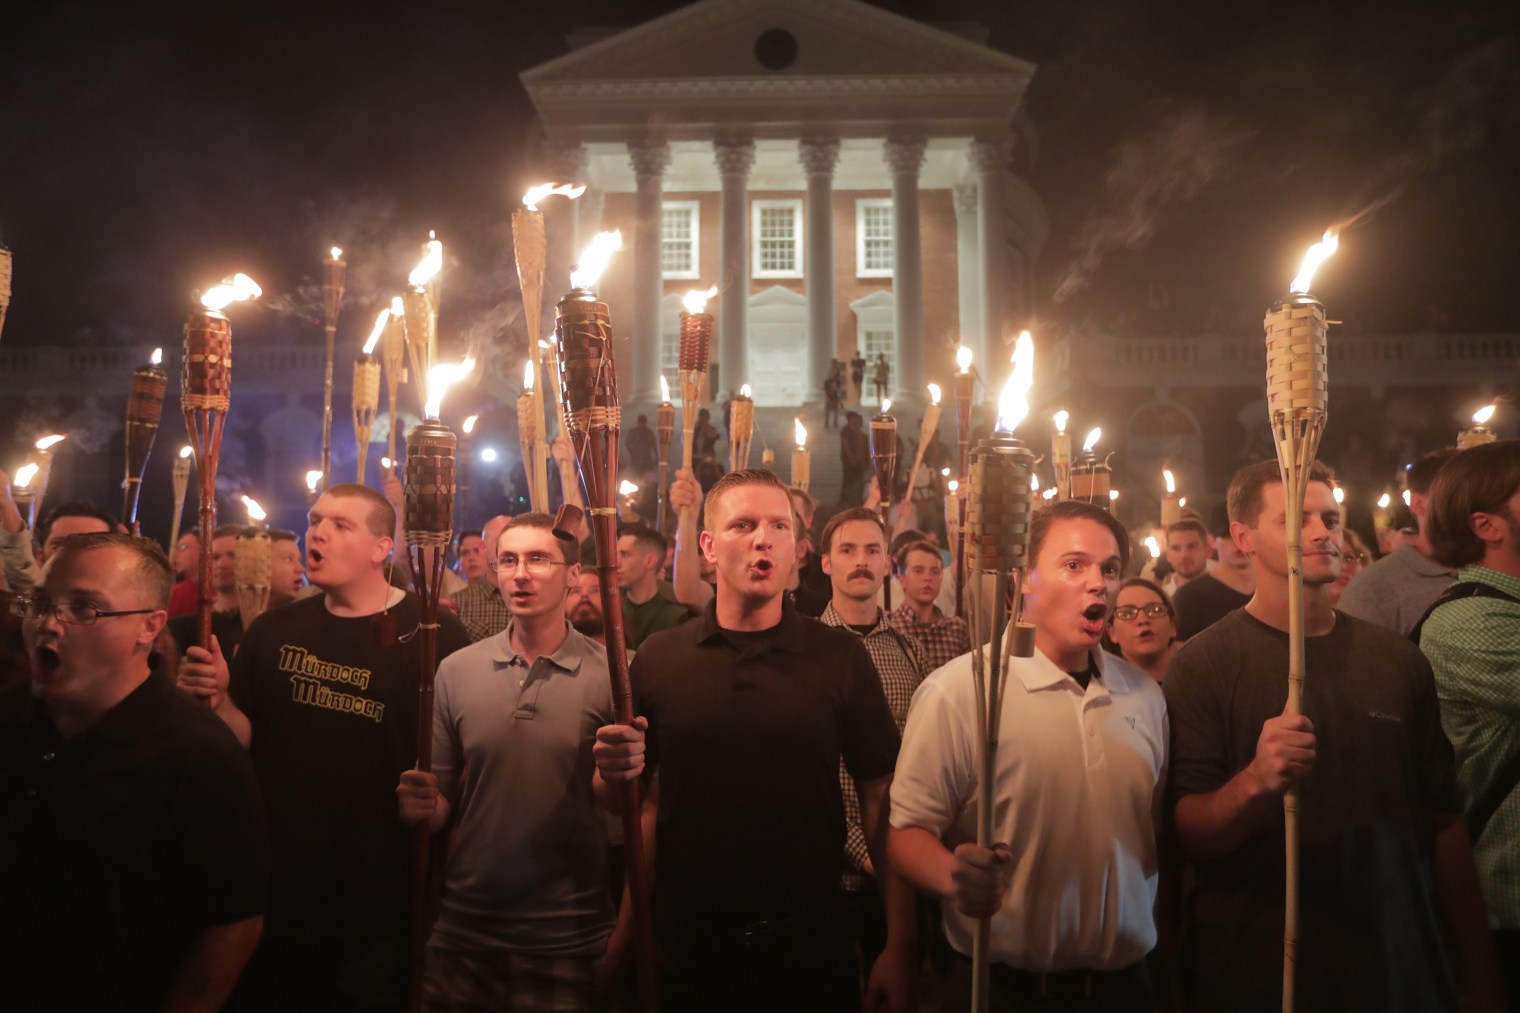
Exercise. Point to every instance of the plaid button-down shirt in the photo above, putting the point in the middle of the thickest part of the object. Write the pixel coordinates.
(943, 640)
(482, 610)
(899, 664)
(1474, 646)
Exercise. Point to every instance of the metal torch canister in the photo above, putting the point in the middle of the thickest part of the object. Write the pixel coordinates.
(1091, 480)
(145, 407)
(999, 511)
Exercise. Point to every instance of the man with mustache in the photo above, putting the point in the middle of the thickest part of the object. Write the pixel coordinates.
(748, 712)
(854, 547)
(1387, 882)
(1071, 885)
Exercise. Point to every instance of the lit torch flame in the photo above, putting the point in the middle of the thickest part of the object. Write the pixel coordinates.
(1406, 497)
(25, 474)
(1339, 494)
(664, 389)
(1385, 501)
(1034, 482)
(398, 308)
(1171, 483)
(963, 359)
(157, 358)
(387, 463)
(256, 512)
(439, 379)
(186, 450)
(238, 288)
(799, 432)
(528, 375)
(1061, 418)
(744, 391)
(934, 393)
(313, 477)
(1049, 493)
(594, 259)
(543, 190)
(953, 486)
(1013, 403)
(1482, 415)
(375, 335)
(1317, 255)
(886, 405)
(627, 488)
(337, 253)
(428, 267)
(1092, 440)
(1152, 546)
(695, 301)
(1113, 497)
(47, 441)
(469, 424)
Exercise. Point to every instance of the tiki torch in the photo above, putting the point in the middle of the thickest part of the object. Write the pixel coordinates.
(205, 392)
(393, 355)
(145, 406)
(884, 459)
(1382, 520)
(466, 457)
(44, 458)
(741, 428)
(1171, 505)
(253, 566)
(366, 392)
(420, 305)
(530, 436)
(24, 492)
(1478, 433)
(998, 513)
(802, 458)
(548, 368)
(1091, 477)
(965, 389)
(691, 375)
(334, 269)
(588, 378)
(5, 283)
(1297, 397)
(1060, 454)
(530, 246)
(428, 506)
(664, 431)
(926, 430)
(181, 479)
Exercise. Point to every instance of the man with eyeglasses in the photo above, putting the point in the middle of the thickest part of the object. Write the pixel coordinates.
(133, 851)
(526, 919)
(1071, 886)
(324, 693)
(480, 605)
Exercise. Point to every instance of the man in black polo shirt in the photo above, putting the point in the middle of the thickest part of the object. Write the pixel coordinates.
(133, 853)
(748, 712)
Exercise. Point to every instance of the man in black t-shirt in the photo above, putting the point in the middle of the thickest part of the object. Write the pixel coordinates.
(133, 853)
(1203, 601)
(748, 712)
(1387, 883)
(324, 694)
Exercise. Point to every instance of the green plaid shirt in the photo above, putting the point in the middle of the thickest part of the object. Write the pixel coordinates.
(1474, 646)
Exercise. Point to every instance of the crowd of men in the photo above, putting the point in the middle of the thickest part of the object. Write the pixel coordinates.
(189, 825)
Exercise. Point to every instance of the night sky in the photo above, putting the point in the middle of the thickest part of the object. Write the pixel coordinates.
(1188, 154)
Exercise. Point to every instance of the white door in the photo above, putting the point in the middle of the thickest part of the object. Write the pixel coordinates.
(777, 347)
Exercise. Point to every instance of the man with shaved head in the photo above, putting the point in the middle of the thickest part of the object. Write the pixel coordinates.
(480, 606)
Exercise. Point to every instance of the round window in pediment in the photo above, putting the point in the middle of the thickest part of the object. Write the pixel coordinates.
(776, 49)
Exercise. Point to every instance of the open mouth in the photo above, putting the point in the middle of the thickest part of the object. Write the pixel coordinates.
(1093, 618)
(313, 557)
(45, 660)
(762, 568)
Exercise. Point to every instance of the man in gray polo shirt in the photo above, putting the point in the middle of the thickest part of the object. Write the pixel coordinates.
(526, 920)
(1395, 591)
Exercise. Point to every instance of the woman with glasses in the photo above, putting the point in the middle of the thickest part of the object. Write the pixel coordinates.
(1354, 559)
(1143, 627)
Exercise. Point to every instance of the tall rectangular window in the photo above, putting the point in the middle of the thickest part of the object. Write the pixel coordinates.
(776, 239)
(681, 239)
(874, 251)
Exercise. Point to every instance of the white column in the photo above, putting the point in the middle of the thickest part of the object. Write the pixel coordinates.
(564, 162)
(968, 263)
(819, 156)
(905, 156)
(650, 160)
(989, 156)
(734, 159)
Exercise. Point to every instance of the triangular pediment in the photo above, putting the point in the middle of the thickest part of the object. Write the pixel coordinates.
(802, 38)
(777, 296)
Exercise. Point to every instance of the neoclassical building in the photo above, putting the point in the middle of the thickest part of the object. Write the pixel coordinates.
(847, 177)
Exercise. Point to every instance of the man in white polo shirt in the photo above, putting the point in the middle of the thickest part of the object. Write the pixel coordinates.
(1072, 885)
